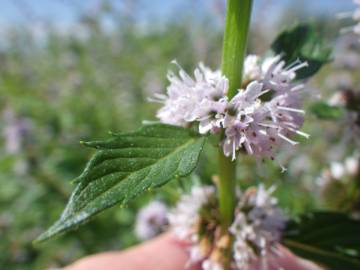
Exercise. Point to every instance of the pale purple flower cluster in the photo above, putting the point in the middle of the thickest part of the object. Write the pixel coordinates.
(185, 217)
(15, 131)
(355, 15)
(259, 124)
(202, 99)
(151, 220)
(256, 119)
(257, 228)
(340, 171)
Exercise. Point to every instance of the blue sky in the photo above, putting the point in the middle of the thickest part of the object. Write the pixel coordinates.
(66, 11)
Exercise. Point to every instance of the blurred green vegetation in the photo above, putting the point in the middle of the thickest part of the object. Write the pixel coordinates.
(63, 89)
(66, 88)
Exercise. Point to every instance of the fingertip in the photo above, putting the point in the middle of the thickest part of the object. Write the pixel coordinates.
(161, 253)
(171, 253)
(288, 260)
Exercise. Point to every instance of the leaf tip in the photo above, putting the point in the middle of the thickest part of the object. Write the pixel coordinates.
(55, 230)
(84, 143)
(41, 239)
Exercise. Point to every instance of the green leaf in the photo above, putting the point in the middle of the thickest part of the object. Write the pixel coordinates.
(302, 42)
(125, 166)
(328, 238)
(325, 111)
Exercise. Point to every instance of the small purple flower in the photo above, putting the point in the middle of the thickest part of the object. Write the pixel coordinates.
(258, 118)
(15, 131)
(355, 15)
(257, 227)
(202, 99)
(258, 125)
(151, 220)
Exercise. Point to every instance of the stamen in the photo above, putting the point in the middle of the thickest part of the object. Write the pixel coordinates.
(233, 150)
(297, 88)
(287, 139)
(262, 93)
(248, 147)
(283, 168)
(306, 135)
(290, 124)
(157, 98)
(293, 64)
(291, 109)
(279, 67)
(183, 74)
(267, 125)
(263, 132)
(176, 63)
(297, 67)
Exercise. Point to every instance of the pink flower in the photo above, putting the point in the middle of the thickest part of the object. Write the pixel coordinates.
(259, 126)
(257, 119)
(151, 220)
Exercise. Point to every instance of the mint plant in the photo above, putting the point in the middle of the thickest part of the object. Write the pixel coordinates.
(250, 106)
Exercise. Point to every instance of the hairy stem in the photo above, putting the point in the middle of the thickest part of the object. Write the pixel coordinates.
(234, 49)
(235, 42)
(226, 189)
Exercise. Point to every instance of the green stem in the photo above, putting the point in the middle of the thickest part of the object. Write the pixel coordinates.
(235, 42)
(226, 189)
(234, 49)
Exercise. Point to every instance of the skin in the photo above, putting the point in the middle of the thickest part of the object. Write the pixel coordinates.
(167, 253)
